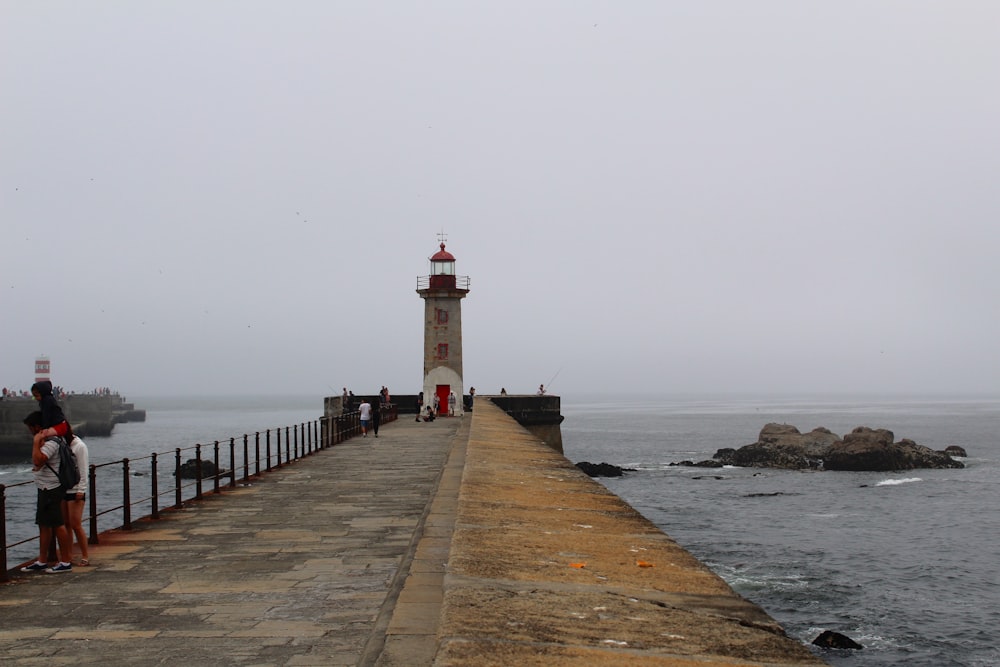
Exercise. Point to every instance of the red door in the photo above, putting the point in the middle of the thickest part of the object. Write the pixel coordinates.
(442, 391)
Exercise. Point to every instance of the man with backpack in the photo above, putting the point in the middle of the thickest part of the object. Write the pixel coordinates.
(45, 457)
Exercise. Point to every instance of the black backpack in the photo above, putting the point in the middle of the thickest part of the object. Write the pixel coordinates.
(68, 473)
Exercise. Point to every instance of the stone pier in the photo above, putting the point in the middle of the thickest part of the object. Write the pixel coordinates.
(463, 541)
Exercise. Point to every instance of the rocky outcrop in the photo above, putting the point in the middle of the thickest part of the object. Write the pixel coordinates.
(599, 469)
(955, 450)
(831, 639)
(873, 449)
(783, 446)
(189, 469)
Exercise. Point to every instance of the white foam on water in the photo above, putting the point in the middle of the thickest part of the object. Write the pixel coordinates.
(895, 482)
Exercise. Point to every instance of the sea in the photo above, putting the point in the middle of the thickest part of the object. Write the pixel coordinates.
(904, 563)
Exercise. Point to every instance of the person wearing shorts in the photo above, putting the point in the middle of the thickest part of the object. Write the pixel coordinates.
(366, 416)
(48, 511)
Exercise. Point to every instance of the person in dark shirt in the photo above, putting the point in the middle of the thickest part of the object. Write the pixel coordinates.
(53, 420)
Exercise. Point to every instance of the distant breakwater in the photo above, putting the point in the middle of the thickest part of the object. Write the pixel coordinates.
(91, 415)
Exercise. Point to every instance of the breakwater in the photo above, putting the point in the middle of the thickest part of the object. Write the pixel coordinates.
(91, 415)
(459, 542)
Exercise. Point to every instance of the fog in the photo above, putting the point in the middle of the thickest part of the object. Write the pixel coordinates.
(687, 197)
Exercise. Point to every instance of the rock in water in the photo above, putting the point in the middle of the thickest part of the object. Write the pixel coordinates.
(831, 639)
(783, 446)
(599, 469)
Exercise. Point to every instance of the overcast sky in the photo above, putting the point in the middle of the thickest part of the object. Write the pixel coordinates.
(238, 197)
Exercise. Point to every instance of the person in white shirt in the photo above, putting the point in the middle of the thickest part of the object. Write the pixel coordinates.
(76, 497)
(48, 512)
(366, 416)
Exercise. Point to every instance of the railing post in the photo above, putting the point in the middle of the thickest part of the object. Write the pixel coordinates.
(246, 457)
(288, 443)
(297, 443)
(278, 431)
(178, 500)
(267, 435)
(3, 534)
(197, 460)
(126, 496)
(256, 445)
(154, 488)
(232, 463)
(215, 460)
(92, 488)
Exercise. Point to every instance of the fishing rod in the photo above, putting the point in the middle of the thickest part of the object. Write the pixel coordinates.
(548, 384)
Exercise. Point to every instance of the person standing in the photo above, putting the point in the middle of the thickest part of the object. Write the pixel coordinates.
(437, 404)
(48, 510)
(420, 404)
(53, 421)
(366, 415)
(376, 416)
(451, 404)
(75, 498)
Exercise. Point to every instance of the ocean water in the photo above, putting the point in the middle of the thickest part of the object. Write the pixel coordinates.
(905, 563)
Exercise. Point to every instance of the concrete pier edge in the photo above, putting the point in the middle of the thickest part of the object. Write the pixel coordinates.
(548, 567)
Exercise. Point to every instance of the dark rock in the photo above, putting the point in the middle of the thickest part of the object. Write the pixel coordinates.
(189, 469)
(955, 450)
(708, 463)
(783, 446)
(599, 469)
(873, 449)
(831, 639)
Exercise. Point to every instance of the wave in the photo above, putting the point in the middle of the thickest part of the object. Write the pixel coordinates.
(895, 482)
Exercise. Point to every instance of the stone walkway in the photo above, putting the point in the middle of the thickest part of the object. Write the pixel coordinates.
(303, 567)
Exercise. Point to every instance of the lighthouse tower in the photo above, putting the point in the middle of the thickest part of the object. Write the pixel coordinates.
(42, 368)
(442, 292)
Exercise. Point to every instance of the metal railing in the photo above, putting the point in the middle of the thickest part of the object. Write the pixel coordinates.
(231, 462)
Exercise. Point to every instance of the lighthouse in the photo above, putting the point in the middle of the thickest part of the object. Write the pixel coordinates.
(442, 292)
(42, 368)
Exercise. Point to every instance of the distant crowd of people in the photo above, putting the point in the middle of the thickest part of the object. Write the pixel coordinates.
(58, 392)
(426, 411)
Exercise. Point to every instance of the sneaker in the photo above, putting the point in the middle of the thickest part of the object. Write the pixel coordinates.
(35, 567)
(61, 567)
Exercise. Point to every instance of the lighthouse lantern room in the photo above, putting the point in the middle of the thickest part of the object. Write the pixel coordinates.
(442, 292)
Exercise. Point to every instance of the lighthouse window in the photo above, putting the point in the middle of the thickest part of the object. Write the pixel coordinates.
(442, 350)
(442, 316)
